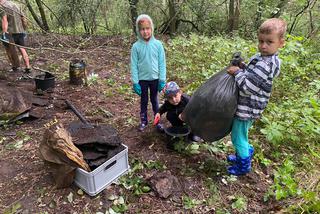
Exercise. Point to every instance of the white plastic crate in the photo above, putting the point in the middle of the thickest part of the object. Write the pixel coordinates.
(97, 180)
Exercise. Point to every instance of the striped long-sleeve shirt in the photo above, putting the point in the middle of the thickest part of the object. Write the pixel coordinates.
(255, 84)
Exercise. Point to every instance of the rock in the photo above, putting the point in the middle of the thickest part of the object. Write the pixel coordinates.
(164, 184)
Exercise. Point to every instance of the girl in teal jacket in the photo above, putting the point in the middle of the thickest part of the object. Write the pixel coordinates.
(148, 67)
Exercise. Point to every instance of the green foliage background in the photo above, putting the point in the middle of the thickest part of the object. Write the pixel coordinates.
(289, 130)
(210, 17)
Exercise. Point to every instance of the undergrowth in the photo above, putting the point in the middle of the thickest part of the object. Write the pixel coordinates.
(291, 123)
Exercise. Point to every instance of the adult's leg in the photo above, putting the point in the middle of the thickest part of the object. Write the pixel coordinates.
(12, 54)
(25, 57)
(19, 39)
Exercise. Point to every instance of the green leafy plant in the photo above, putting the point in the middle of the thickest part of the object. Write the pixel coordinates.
(179, 145)
(118, 204)
(110, 82)
(239, 203)
(15, 208)
(18, 141)
(124, 89)
(263, 160)
(135, 183)
(215, 147)
(192, 149)
(214, 192)
(92, 78)
(273, 131)
(285, 184)
(189, 203)
(151, 164)
(136, 165)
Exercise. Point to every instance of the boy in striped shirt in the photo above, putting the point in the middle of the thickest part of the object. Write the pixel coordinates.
(255, 83)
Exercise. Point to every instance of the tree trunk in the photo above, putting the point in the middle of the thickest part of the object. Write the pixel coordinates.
(231, 16)
(93, 19)
(234, 15)
(260, 7)
(104, 9)
(172, 17)
(313, 30)
(311, 22)
(299, 14)
(134, 13)
(43, 15)
(34, 15)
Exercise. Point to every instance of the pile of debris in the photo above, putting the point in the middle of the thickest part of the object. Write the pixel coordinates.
(65, 150)
(98, 144)
(59, 152)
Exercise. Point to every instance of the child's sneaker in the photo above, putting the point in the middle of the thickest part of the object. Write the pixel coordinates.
(197, 139)
(142, 126)
(160, 128)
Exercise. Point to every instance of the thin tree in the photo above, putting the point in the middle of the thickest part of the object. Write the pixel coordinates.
(172, 17)
(234, 14)
(42, 23)
(299, 14)
(42, 15)
(134, 13)
(260, 7)
(280, 7)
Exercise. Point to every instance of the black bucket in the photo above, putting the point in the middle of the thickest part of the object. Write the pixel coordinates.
(176, 134)
(45, 81)
(77, 71)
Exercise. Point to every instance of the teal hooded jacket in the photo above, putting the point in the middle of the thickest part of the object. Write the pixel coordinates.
(148, 60)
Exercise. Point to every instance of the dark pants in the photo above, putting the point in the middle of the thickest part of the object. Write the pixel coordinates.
(174, 119)
(18, 38)
(153, 86)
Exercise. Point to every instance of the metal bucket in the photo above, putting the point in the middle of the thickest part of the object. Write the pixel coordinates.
(176, 134)
(77, 72)
(45, 81)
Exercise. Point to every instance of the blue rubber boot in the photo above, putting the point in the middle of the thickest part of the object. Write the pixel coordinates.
(233, 158)
(241, 167)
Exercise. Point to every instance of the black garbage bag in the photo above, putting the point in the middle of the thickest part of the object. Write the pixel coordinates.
(212, 107)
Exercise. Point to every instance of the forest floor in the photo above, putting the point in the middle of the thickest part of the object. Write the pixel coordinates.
(26, 186)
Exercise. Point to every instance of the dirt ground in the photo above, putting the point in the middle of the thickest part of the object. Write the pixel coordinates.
(26, 186)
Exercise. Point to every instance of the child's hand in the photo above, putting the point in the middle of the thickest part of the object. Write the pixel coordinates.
(156, 119)
(181, 117)
(232, 69)
(161, 85)
(137, 88)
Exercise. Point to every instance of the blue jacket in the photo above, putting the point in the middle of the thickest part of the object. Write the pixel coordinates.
(147, 58)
